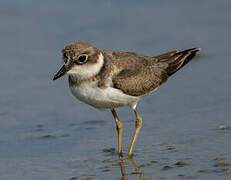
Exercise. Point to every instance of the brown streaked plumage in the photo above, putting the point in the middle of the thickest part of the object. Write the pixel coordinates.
(141, 74)
(108, 79)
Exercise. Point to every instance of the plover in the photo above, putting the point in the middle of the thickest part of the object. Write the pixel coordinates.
(107, 79)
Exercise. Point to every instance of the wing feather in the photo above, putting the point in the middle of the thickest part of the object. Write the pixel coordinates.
(140, 74)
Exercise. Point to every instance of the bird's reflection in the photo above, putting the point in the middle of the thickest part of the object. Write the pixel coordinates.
(136, 168)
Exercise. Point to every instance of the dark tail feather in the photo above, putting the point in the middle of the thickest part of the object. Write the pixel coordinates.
(177, 59)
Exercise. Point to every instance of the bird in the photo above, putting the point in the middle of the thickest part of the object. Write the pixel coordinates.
(108, 79)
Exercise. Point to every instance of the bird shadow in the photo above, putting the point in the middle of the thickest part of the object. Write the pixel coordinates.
(108, 163)
(136, 169)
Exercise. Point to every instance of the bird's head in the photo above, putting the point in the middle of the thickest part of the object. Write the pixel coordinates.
(80, 60)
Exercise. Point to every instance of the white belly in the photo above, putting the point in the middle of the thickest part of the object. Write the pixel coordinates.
(107, 98)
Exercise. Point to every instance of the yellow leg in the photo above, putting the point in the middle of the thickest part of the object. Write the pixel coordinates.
(138, 126)
(122, 169)
(119, 131)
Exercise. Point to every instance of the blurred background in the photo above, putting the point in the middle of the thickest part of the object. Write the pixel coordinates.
(45, 133)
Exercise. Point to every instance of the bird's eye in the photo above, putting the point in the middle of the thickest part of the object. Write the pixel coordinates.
(82, 58)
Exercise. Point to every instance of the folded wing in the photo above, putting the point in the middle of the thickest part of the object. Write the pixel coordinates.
(149, 73)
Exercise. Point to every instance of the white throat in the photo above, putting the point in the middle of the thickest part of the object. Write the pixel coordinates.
(87, 71)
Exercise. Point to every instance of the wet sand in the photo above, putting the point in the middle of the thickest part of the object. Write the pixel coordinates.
(46, 134)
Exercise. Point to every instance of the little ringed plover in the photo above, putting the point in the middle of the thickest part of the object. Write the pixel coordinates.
(108, 79)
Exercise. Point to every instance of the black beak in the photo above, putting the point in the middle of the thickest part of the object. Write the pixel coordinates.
(61, 72)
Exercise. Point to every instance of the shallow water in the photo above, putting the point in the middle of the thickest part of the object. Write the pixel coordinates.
(46, 134)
